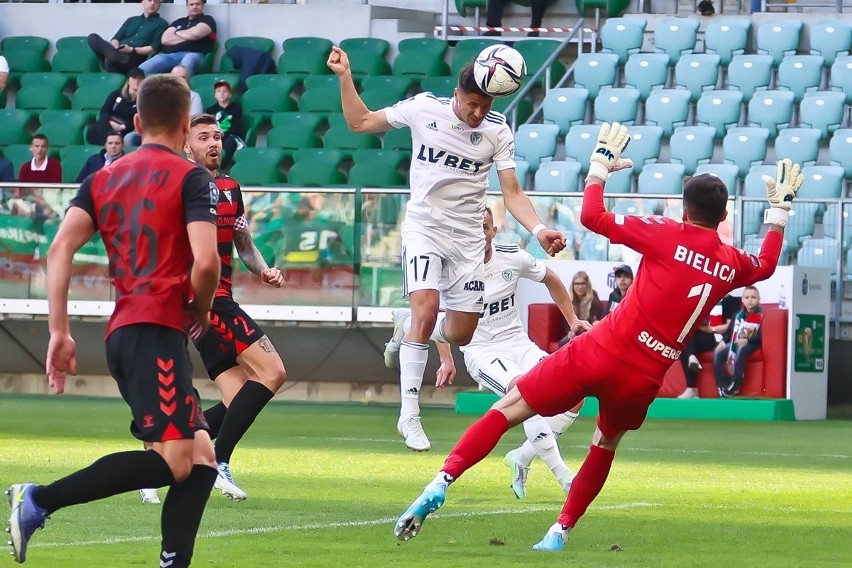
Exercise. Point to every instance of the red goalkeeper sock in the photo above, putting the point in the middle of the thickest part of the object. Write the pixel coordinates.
(587, 484)
(476, 443)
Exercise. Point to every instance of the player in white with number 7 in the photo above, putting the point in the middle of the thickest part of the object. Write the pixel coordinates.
(685, 270)
(455, 143)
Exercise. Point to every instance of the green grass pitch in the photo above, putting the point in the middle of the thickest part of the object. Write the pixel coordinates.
(326, 482)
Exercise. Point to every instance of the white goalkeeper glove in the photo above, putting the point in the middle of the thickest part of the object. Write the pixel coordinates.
(781, 190)
(606, 157)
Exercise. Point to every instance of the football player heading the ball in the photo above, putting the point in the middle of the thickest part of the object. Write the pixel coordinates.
(455, 143)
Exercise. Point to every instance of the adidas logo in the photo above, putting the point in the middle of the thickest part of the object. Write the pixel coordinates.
(432, 126)
(413, 390)
(540, 437)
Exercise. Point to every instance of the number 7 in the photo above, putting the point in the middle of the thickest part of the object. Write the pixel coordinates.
(702, 290)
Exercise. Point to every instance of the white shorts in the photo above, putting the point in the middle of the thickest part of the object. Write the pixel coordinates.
(498, 365)
(455, 266)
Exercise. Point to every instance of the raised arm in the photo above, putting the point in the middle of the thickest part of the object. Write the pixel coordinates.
(358, 116)
(252, 258)
(519, 205)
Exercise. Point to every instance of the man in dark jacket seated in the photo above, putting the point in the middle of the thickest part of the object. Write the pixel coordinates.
(113, 150)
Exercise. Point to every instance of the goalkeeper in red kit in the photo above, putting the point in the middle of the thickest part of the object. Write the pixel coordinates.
(684, 272)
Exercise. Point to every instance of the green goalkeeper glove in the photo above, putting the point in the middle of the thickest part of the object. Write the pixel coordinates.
(606, 157)
(781, 191)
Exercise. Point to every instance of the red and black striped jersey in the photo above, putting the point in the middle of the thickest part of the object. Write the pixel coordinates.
(230, 216)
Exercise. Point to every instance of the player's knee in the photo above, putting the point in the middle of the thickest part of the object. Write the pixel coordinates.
(274, 378)
(462, 338)
(180, 466)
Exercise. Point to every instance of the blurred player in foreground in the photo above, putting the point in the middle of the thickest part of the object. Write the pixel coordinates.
(684, 272)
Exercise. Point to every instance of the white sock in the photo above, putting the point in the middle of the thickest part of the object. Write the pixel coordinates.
(526, 454)
(540, 434)
(438, 332)
(443, 478)
(412, 364)
(561, 422)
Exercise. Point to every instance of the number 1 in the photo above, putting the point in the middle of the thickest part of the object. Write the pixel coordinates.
(702, 290)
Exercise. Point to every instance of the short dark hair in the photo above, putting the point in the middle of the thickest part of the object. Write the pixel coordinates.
(41, 137)
(114, 133)
(705, 199)
(488, 211)
(467, 81)
(203, 118)
(162, 102)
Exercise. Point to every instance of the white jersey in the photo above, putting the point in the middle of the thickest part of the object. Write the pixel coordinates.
(450, 162)
(500, 320)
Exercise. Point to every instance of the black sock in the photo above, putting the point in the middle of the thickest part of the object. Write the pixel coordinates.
(214, 416)
(244, 408)
(181, 516)
(110, 475)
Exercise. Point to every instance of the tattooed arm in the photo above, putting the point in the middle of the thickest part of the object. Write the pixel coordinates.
(252, 258)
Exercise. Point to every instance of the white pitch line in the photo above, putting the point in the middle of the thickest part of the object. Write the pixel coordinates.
(324, 526)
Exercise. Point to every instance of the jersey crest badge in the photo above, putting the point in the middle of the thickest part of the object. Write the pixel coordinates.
(475, 138)
(227, 193)
(507, 275)
(457, 128)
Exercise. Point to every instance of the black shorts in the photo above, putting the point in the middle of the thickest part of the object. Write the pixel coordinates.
(151, 365)
(231, 332)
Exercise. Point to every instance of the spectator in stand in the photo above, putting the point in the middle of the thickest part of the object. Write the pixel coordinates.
(587, 304)
(494, 15)
(623, 281)
(113, 150)
(229, 115)
(136, 39)
(116, 114)
(706, 339)
(185, 42)
(730, 361)
(7, 171)
(194, 98)
(4, 74)
(40, 169)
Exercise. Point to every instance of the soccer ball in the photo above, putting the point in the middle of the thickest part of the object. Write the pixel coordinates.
(499, 70)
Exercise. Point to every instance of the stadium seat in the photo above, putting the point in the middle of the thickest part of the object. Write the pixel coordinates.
(830, 39)
(620, 181)
(524, 108)
(283, 83)
(376, 99)
(341, 138)
(74, 61)
(536, 52)
(823, 110)
(321, 82)
(18, 154)
(258, 166)
(25, 54)
(646, 71)
(558, 176)
(38, 99)
(294, 130)
(71, 42)
(421, 57)
(752, 244)
(439, 86)
(397, 139)
(800, 74)
(325, 100)
(644, 147)
(580, 143)
(203, 85)
(46, 81)
(697, 73)
(522, 168)
(616, 105)
(565, 107)
(623, 37)
(676, 37)
(691, 146)
(753, 185)
(304, 56)
(821, 182)
(802, 222)
(719, 109)
(831, 225)
(63, 127)
(262, 102)
(261, 44)
(749, 73)
(841, 76)
(799, 144)
(728, 173)
(13, 127)
(316, 168)
(395, 86)
(726, 38)
(535, 142)
(778, 38)
(667, 108)
(661, 178)
(840, 149)
(820, 253)
(745, 147)
(367, 56)
(772, 110)
(90, 99)
(466, 51)
(595, 70)
(108, 81)
(73, 159)
(377, 168)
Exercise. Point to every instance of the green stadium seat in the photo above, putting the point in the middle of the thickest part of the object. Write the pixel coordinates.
(25, 54)
(304, 56)
(421, 57)
(263, 44)
(18, 154)
(13, 127)
(396, 158)
(203, 85)
(466, 51)
(341, 138)
(316, 168)
(282, 83)
(321, 82)
(324, 99)
(463, 5)
(74, 61)
(397, 139)
(63, 127)
(109, 81)
(536, 51)
(367, 56)
(525, 108)
(261, 103)
(376, 99)
(48, 81)
(294, 130)
(72, 42)
(258, 166)
(90, 99)
(396, 86)
(73, 159)
(376, 175)
(439, 86)
(336, 119)
(39, 99)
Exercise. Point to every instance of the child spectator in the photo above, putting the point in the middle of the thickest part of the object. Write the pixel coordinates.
(730, 360)
(229, 115)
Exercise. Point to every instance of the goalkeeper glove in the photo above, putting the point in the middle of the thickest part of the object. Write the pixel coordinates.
(781, 191)
(606, 157)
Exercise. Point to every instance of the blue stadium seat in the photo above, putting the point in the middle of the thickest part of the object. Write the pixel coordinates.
(772, 110)
(831, 226)
(535, 142)
(697, 73)
(719, 109)
(753, 185)
(647, 71)
(745, 147)
(595, 70)
(753, 216)
(752, 244)
(830, 39)
(521, 170)
(675, 37)
(644, 146)
(840, 150)
(616, 105)
(749, 73)
(620, 181)
(661, 178)
(802, 222)
(728, 173)
(823, 110)
(623, 37)
(593, 247)
(821, 253)
(667, 108)
(799, 144)
(726, 38)
(841, 76)
(580, 142)
(558, 176)
(821, 182)
(691, 146)
(778, 38)
(800, 74)
(565, 108)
